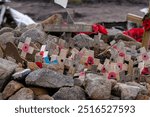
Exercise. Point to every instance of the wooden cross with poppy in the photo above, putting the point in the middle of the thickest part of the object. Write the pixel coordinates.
(25, 47)
(144, 55)
(146, 24)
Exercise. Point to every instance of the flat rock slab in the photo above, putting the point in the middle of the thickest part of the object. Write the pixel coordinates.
(23, 94)
(126, 92)
(70, 93)
(11, 88)
(48, 79)
(6, 70)
(97, 87)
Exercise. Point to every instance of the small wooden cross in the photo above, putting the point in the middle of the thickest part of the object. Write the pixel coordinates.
(25, 47)
(43, 51)
(144, 55)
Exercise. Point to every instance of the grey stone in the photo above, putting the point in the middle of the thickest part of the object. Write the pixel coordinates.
(23, 94)
(7, 37)
(49, 79)
(126, 92)
(79, 82)
(21, 75)
(5, 29)
(44, 97)
(70, 93)
(6, 70)
(97, 87)
(113, 31)
(143, 89)
(35, 34)
(83, 40)
(11, 88)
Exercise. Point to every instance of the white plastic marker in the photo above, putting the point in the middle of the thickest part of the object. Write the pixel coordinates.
(62, 3)
(144, 10)
(25, 47)
(43, 53)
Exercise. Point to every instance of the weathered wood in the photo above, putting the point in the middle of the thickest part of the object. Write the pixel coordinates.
(146, 40)
(12, 51)
(68, 28)
(134, 18)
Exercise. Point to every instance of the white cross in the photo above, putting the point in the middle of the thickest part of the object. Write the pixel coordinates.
(43, 53)
(25, 47)
(144, 55)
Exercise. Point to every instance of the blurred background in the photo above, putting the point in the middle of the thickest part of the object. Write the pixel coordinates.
(84, 10)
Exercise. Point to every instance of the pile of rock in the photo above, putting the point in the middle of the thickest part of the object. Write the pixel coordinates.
(30, 81)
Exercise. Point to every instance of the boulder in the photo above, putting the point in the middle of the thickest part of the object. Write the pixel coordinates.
(6, 37)
(44, 97)
(143, 89)
(83, 40)
(79, 82)
(39, 91)
(11, 88)
(70, 93)
(23, 94)
(35, 34)
(126, 92)
(48, 79)
(97, 87)
(6, 72)
(5, 29)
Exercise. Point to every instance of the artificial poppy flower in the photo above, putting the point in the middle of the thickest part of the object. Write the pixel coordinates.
(39, 64)
(42, 53)
(102, 29)
(90, 61)
(103, 70)
(25, 47)
(145, 71)
(135, 33)
(112, 75)
(146, 24)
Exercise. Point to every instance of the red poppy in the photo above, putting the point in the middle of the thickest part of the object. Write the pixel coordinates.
(90, 61)
(145, 71)
(112, 75)
(102, 29)
(103, 70)
(97, 28)
(120, 66)
(122, 54)
(25, 47)
(135, 33)
(39, 64)
(146, 24)
(42, 53)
